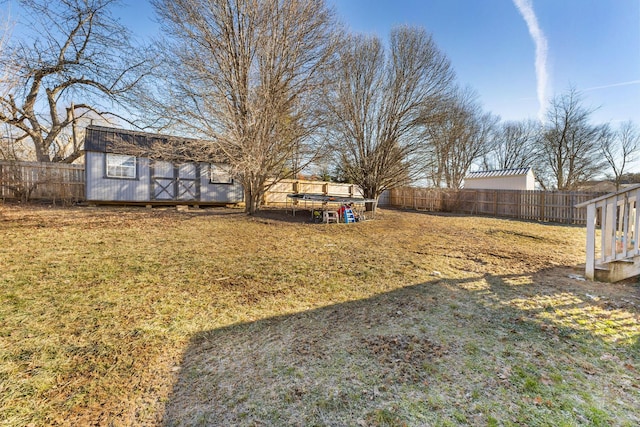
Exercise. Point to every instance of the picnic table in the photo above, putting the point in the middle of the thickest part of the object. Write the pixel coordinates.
(329, 205)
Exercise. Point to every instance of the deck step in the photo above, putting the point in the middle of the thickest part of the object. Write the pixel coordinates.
(615, 271)
(609, 261)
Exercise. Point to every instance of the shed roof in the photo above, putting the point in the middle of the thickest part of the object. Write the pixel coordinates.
(498, 173)
(124, 141)
(106, 139)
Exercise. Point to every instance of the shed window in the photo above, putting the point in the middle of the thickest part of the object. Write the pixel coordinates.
(220, 173)
(121, 166)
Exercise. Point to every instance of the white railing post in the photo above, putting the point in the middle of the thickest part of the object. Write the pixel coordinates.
(625, 226)
(636, 220)
(608, 229)
(590, 269)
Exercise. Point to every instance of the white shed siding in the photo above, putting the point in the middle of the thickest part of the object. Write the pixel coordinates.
(224, 193)
(161, 168)
(523, 179)
(497, 183)
(100, 188)
(531, 180)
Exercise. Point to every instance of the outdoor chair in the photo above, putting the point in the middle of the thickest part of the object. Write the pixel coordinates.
(330, 216)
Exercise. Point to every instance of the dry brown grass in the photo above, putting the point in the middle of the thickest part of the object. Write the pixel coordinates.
(116, 316)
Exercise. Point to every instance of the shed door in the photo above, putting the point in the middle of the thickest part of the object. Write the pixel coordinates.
(188, 185)
(175, 182)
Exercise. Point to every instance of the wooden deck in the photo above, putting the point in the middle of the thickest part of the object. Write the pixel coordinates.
(612, 240)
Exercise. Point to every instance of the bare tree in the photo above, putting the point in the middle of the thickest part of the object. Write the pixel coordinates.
(6, 55)
(461, 135)
(379, 103)
(9, 150)
(244, 75)
(620, 148)
(569, 146)
(514, 145)
(75, 59)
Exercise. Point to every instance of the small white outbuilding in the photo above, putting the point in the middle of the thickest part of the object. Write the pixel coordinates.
(503, 179)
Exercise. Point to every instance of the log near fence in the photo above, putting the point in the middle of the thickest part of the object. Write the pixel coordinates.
(546, 206)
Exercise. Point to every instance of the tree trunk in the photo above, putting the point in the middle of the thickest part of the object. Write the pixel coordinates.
(250, 202)
(253, 192)
(370, 193)
(41, 152)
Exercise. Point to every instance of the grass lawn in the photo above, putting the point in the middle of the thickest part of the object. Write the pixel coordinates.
(124, 316)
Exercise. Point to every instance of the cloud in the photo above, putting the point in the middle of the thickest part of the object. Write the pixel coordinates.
(630, 82)
(525, 7)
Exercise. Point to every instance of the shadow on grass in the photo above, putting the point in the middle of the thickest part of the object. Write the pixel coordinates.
(488, 350)
(284, 215)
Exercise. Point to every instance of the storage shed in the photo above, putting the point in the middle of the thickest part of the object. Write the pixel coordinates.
(503, 179)
(116, 171)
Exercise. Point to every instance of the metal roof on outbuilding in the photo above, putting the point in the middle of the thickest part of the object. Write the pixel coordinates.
(498, 173)
(104, 139)
(109, 140)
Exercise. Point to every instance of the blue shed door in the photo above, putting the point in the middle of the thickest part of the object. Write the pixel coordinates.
(175, 182)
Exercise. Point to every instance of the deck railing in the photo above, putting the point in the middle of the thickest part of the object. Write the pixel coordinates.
(612, 224)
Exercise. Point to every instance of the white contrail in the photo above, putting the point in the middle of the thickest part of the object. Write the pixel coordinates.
(630, 82)
(526, 10)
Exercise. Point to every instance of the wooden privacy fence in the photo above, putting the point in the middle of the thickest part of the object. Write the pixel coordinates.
(548, 206)
(277, 194)
(41, 181)
(66, 183)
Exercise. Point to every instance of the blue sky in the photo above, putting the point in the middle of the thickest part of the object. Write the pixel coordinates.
(592, 45)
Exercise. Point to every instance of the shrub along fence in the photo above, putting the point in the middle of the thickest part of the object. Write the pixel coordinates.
(548, 206)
